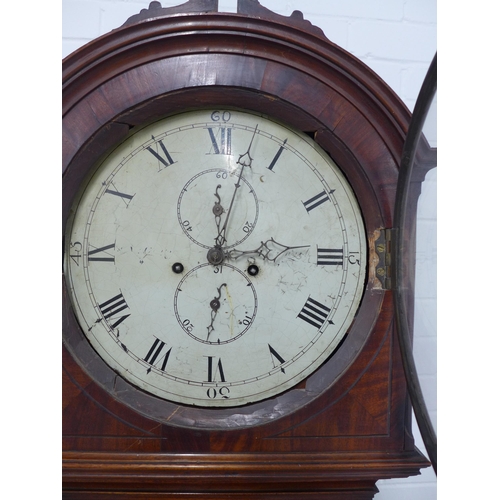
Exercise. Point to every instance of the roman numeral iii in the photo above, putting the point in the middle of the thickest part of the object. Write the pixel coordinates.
(330, 256)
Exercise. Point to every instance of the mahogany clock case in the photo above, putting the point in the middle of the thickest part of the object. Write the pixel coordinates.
(353, 413)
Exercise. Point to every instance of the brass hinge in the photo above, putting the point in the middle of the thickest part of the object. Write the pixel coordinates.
(383, 247)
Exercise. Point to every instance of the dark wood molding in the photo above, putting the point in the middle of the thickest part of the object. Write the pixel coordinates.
(297, 475)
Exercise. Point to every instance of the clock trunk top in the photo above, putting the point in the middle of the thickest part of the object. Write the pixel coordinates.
(349, 423)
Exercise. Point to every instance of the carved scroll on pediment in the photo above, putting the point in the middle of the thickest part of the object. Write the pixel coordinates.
(190, 7)
(253, 8)
(246, 7)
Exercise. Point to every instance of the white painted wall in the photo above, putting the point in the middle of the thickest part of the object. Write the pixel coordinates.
(397, 39)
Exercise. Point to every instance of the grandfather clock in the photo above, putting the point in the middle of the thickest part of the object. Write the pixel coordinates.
(229, 328)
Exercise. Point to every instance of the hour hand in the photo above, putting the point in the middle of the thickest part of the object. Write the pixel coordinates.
(267, 250)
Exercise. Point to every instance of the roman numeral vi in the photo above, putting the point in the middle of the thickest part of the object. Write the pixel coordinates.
(215, 370)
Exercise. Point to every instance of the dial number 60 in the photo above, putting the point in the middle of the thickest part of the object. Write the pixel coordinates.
(217, 116)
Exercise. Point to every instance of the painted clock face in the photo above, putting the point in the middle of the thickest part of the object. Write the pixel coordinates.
(216, 258)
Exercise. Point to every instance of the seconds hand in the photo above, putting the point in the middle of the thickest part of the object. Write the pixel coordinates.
(221, 237)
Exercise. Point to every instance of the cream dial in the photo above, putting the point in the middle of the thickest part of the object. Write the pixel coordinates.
(216, 258)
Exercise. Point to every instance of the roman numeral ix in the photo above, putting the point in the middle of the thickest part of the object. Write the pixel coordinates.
(101, 254)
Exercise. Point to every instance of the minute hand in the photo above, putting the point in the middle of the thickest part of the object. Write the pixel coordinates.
(221, 237)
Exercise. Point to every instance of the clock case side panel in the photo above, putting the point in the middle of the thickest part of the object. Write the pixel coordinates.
(266, 68)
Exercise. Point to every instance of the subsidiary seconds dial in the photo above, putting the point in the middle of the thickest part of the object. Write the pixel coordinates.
(214, 188)
(216, 258)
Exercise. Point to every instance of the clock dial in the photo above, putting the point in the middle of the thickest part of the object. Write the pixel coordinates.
(216, 258)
